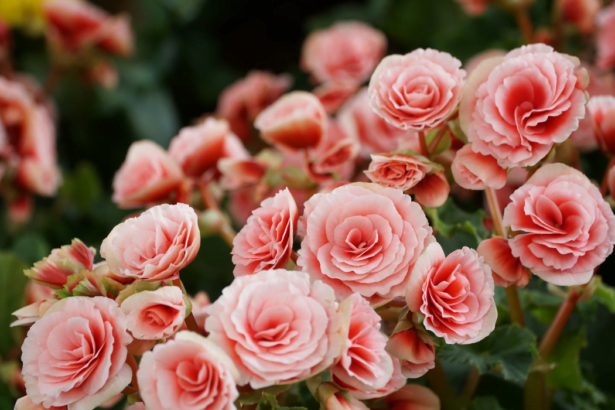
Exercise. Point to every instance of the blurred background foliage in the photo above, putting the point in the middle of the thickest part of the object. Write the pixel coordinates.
(187, 52)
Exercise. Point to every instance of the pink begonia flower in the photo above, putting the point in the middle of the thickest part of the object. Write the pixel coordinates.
(26, 403)
(17, 111)
(334, 94)
(240, 172)
(474, 7)
(147, 176)
(266, 241)
(432, 191)
(68, 260)
(74, 26)
(337, 401)
(365, 364)
(567, 229)
(186, 373)
(198, 148)
(506, 269)
(416, 91)
(515, 112)
(32, 312)
(333, 158)
(88, 331)
(154, 246)
(363, 238)
(295, 121)
(157, 314)
(35, 292)
(137, 406)
(416, 356)
(600, 111)
(397, 170)
(396, 382)
(346, 51)
(277, 327)
(605, 58)
(454, 293)
(413, 397)
(581, 13)
(472, 170)
(375, 134)
(241, 102)
(474, 62)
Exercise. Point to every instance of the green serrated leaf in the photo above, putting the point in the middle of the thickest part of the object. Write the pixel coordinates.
(485, 403)
(509, 349)
(450, 221)
(12, 283)
(567, 372)
(267, 402)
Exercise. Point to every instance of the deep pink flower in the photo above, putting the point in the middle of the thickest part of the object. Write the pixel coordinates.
(454, 293)
(266, 241)
(363, 238)
(154, 246)
(416, 91)
(365, 364)
(240, 172)
(581, 13)
(517, 107)
(334, 94)
(567, 229)
(147, 176)
(476, 171)
(241, 102)
(346, 51)
(277, 327)
(89, 332)
(198, 148)
(186, 373)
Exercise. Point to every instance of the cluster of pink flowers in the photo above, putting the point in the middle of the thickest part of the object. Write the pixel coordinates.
(325, 248)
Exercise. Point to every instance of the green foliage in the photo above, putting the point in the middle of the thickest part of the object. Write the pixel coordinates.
(509, 350)
(12, 283)
(485, 403)
(565, 357)
(269, 402)
(82, 187)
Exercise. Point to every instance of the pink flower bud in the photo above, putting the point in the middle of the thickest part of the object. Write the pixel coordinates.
(476, 171)
(398, 170)
(238, 173)
(507, 270)
(432, 191)
(333, 95)
(295, 121)
(412, 396)
(416, 356)
(54, 270)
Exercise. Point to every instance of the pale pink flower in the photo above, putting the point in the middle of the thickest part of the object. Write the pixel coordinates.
(396, 382)
(416, 356)
(454, 293)
(334, 94)
(515, 112)
(73, 26)
(416, 91)
(153, 315)
(200, 303)
(266, 241)
(581, 13)
(154, 246)
(397, 170)
(365, 364)
(375, 134)
(26, 403)
(277, 327)
(600, 111)
(413, 397)
(32, 312)
(567, 229)
(334, 157)
(337, 401)
(198, 148)
(363, 238)
(241, 102)
(474, 7)
(473, 62)
(605, 40)
(506, 269)
(68, 260)
(137, 406)
(476, 171)
(147, 176)
(346, 51)
(186, 373)
(89, 331)
(296, 121)
(240, 172)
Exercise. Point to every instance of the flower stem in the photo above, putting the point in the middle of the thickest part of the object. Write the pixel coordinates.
(442, 387)
(525, 24)
(423, 142)
(496, 214)
(226, 231)
(471, 384)
(436, 140)
(514, 305)
(190, 320)
(132, 362)
(556, 328)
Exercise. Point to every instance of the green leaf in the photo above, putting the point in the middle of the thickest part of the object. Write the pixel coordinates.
(449, 221)
(509, 349)
(269, 402)
(153, 116)
(31, 247)
(82, 187)
(12, 283)
(567, 373)
(485, 403)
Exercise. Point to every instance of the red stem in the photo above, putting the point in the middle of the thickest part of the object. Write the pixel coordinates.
(423, 142)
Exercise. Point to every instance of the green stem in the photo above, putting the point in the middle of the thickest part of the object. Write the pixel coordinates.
(514, 306)
(442, 387)
(471, 384)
